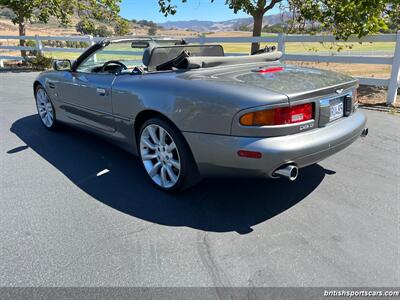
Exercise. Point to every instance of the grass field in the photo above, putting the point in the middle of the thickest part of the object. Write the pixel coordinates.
(306, 48)
(315, 47)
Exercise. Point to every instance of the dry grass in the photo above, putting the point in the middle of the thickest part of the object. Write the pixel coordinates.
(8, 28)
(54, 29)
(361, 70)
(373, 95)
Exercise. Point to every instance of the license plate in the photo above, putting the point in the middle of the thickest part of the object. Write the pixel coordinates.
(336, 109)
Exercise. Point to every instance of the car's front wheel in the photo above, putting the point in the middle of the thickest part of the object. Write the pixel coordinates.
(45, 108)
(166, 156)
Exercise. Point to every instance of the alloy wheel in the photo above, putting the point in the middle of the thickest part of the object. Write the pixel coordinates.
(160, 156)
(45, 108)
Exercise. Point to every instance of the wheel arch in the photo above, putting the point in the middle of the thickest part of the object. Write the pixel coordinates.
(144, 115)
(36, 84)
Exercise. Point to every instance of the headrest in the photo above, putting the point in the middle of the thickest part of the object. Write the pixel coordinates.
(147, 54)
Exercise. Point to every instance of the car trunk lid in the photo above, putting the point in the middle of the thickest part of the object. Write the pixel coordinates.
(297, 83)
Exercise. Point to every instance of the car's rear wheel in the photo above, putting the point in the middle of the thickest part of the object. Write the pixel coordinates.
(165, 156)
(45, 108)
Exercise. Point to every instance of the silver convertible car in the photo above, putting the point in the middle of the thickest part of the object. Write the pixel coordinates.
(188, 111)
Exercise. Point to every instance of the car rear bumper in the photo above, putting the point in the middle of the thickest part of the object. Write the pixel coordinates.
(216, 155)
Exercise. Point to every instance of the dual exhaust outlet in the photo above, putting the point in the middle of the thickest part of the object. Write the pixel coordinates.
(364, 132)
(289, 172)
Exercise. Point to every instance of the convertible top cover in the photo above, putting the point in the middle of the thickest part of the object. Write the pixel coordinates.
(158, 55)
(209, 62)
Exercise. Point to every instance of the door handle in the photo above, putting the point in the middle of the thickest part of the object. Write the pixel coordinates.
(100, 91)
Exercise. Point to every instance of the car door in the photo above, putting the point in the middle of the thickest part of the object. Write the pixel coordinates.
(87, 99)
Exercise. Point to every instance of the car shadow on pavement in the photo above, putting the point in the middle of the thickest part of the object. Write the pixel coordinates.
(218, 205)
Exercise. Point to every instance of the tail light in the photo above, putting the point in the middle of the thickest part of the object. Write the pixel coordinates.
(278, 116)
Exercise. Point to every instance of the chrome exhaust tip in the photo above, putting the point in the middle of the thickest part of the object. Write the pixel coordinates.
(364, 132)
(290, 172)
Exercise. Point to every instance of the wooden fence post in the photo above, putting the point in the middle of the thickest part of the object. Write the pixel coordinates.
(91, 40)
(202, 39)
(395, 74)
(281, 44)
(39, 45)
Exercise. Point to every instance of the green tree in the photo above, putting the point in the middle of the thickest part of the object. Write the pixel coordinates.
(346, 17)
(41, 10)
(152, 30)
(146, 23)
(86, 27)
(277, 28)
(103, 31)
(243, 28)
(393, 14)
(5, 12)
(122, 27)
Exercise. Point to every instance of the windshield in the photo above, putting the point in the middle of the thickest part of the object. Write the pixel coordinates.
(122, 52)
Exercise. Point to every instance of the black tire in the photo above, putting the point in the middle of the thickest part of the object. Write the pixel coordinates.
(188, 174)
(54, 125)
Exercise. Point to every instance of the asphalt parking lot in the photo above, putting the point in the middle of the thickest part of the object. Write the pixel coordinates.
(62, 225)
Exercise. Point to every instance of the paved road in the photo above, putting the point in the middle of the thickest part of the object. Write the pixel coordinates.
(61, 225)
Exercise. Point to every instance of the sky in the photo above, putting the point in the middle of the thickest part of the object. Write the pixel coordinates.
(192, 10)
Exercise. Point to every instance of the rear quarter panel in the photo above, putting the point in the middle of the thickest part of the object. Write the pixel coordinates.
(192, 105)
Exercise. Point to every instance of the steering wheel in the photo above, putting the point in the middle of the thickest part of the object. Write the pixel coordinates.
(115, 62)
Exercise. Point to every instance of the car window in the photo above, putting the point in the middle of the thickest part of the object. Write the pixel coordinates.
(122, 52)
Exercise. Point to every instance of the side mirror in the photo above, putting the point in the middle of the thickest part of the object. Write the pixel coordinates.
(62, 65)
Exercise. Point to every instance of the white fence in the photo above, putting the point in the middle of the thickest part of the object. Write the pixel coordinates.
(392, 83)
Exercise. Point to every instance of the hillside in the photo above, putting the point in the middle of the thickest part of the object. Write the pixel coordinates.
(176, 28)
(54, 28)
(228, 25)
